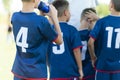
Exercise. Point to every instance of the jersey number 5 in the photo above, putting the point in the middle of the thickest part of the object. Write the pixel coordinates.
(22, 35)
(60, 50)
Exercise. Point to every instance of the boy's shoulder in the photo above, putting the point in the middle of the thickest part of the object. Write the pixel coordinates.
(104, 18)
(32, 13)
(72, 27)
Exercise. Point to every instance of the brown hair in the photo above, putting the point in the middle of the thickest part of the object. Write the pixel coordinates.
(116, 4)
(61, 6)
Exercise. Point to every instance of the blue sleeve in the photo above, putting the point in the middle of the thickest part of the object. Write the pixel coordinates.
(76, 40)
(84, 34)
(96, 30)
(47, 30)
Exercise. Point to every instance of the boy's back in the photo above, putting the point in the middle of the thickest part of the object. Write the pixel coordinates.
(110, 43)
(61, 58)
(31, 36)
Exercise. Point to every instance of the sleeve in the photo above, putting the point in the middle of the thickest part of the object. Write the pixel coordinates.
(47, 30)
(96, 30)
(76, 40)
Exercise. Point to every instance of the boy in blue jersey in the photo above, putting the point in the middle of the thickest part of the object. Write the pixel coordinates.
(87, 23)
(107, 33)
(65, 59)
(32, 33)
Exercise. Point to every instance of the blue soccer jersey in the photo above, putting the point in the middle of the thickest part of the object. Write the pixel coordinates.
(88, 70)
(107, 33)
(61, 58)
(31, 33)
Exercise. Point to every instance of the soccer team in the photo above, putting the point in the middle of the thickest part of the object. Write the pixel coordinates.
(92, 53)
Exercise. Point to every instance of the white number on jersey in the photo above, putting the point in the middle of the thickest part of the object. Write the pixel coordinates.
(22, 34)
(84, 49)
(61, 50)
(110, 34)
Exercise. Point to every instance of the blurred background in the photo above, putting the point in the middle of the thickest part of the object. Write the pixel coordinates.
(7, 46)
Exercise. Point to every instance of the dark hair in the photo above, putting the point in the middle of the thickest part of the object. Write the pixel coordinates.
(61, 6)
(116, 4)
(87, 10)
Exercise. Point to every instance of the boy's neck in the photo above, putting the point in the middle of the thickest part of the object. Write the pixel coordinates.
(115, 13)
(28, 7)
(62, 19)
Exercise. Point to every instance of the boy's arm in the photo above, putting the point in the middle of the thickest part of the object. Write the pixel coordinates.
(53, 16)
(92, 51)
(78, 59)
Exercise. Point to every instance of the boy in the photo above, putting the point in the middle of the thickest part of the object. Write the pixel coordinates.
(32, 33)
(86, 26)
(64, 60)
(107, 33)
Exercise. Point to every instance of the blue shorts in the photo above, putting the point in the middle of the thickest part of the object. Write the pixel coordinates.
(88, 70)
(107, 76)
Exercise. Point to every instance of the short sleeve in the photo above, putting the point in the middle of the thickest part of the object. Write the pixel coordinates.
(76, 40)
(96, 30)
(47, 30)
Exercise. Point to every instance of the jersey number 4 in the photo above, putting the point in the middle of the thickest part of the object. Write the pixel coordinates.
(110, 34)
(21, 39)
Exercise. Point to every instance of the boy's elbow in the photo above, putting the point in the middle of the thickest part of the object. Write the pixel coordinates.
(90, 42)
(59, 40)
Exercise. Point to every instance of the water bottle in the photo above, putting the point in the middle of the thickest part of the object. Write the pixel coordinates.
(43, 7)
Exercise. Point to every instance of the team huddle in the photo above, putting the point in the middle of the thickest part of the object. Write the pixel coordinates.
(92, 53)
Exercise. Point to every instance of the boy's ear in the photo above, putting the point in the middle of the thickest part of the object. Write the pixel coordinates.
(111, 6)
(65, 12)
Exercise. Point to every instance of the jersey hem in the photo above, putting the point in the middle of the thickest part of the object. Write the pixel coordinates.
(18, 76)
(105, 71)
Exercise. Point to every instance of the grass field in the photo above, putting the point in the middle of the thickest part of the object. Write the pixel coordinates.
(7, 54)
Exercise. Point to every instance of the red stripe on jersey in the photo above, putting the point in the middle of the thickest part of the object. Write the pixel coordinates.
(108, 71)
(77, 47)
(55, 39)
(92, 37)
(65, 78)
(88, 77)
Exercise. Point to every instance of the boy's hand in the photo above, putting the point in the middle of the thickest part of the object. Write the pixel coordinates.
(91, 16)
(81, 74)
(93, 61)
(53, 12)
